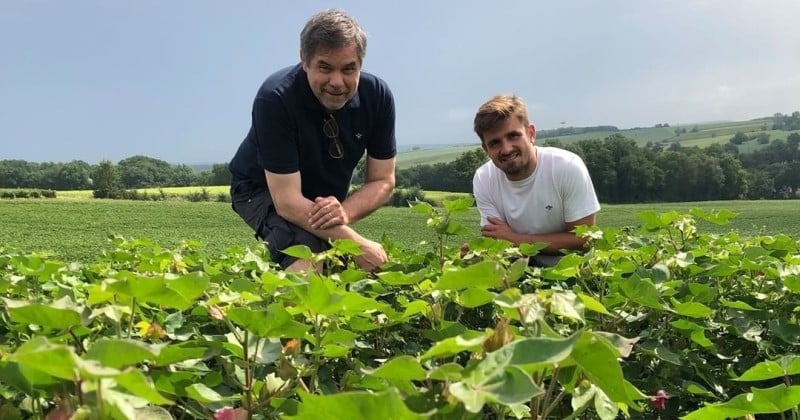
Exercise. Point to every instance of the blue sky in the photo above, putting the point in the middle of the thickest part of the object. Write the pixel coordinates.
(174, 80)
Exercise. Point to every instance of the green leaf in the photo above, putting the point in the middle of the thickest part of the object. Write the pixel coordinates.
(317, 296)
(697, 389)
(567, 304)
(133, 285)
(402, 368)
(302, 252)
(25, 378)
(759, 401)
(452, 227)
(692, 309)
(736, 305)
(533, 351)
(450, 372)
(486, 274)
(40, 354)
(598, 359)
(118, 353)
(141, 386)
(505, 385)
(474, 297)
(785, 366)
(641, 291)
(179, 352)
(398, 278)
(786, 330)
(347, 247)
(662, 352)
(694, 331)
(593, 304)
(623, 345)
(60, 314)
(721, 217)
(792, 282)
(204, 394)
(273, 322)
(360, 405)
(458, 205)
(454, 345)
(422, 207)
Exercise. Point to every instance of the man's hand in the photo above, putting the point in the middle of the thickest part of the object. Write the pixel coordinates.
(373, 255)
(497, 229)
(327, 212)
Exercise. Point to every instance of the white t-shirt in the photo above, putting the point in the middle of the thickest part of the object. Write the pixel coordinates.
(558, 191)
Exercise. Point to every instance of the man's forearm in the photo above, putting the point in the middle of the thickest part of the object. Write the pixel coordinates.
(367, 199)
(297, 213)
(555, 241)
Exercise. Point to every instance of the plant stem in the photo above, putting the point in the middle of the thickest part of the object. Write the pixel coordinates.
(130, 323)
(78, 343)
(552, 406)
(248, 373)
(317, 349)
(550, 387)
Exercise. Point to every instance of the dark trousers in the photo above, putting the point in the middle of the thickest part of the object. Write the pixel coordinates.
(254, 205)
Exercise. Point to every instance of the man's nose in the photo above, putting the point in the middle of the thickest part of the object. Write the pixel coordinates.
(336, 79)
(506, 147)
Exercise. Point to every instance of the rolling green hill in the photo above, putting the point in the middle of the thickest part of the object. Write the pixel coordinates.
(700, 135)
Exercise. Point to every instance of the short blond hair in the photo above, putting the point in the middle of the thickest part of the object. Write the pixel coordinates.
(498, 109)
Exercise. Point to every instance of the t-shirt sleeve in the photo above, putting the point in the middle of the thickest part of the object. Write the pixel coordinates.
(481, 189)
(580, 199)
(382, 144)
(276, 136)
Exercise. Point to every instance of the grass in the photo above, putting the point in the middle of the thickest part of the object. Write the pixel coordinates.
(79, 229)
(433, 155)
(169, 191)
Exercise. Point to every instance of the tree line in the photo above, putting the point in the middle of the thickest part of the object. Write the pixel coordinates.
(622, 172)
(130, 173)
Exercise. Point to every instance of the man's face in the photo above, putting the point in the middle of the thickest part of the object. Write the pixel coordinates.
(333, 75)
(510, 146)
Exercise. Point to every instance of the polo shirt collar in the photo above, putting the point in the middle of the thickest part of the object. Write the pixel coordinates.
(311, 101)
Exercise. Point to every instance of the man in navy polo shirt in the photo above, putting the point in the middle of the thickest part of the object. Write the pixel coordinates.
(311, 124)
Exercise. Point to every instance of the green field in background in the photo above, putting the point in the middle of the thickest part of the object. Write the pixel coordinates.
(79, 229)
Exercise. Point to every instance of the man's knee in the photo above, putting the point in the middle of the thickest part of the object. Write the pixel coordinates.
(281, 234)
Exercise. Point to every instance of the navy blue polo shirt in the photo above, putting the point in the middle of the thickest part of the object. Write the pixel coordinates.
(286, 134)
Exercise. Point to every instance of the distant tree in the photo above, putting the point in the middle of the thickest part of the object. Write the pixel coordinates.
(759, 185)
(143, 172)
(762, 138)
(739, 138)
(793, 140)
(183, 176)
(106, 181)
(220, 174)
(75, 175)
(695, 129)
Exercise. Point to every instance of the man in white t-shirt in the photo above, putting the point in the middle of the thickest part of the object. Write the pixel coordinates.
(529, 194)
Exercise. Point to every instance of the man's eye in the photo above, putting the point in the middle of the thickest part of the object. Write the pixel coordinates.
(324, 69)
(349, 71)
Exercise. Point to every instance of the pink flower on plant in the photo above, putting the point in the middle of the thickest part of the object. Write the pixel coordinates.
(659, 400)
(229, 413)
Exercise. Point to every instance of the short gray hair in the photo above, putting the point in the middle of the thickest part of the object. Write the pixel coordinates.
(331, 29)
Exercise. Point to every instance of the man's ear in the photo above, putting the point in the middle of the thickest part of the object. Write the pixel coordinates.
(532, 133)
(303, 61)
